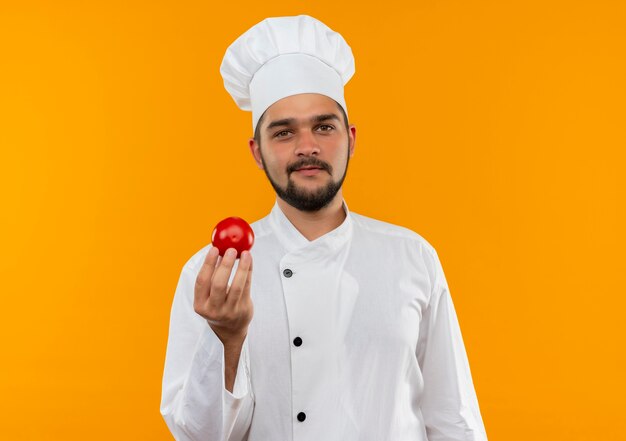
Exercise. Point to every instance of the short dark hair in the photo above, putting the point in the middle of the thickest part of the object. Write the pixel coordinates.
(257, 131)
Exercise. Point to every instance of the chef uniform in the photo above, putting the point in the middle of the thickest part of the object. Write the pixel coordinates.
(354, 335)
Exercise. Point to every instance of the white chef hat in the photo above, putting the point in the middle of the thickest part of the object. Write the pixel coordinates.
(285, 56)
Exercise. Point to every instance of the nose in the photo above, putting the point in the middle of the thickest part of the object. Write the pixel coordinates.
(306, 144)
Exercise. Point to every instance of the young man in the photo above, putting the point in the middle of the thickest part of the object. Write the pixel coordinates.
(345, 330)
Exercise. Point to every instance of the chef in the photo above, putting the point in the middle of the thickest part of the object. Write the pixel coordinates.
(343, 328)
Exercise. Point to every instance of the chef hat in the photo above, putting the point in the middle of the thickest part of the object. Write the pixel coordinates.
(285, 56)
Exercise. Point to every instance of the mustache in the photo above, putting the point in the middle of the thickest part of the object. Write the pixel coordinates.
(309, 162)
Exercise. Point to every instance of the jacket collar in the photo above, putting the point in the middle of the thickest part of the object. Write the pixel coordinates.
(296, 244)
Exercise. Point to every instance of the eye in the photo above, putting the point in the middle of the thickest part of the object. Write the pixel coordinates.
(325, 128)
(282, 134)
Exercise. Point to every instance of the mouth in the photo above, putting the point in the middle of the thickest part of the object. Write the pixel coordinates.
(309, 171)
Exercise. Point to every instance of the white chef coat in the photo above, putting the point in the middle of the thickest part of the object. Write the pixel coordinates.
(354, 338)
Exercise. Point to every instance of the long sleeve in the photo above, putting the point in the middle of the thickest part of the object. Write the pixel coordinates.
(449, 405)
(194, 402)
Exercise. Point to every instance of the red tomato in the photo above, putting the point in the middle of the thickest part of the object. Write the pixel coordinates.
(232, 232)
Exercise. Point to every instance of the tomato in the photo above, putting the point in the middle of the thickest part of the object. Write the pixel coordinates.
(232, 232)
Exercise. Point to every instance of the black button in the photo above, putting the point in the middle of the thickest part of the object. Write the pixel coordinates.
(301, 416)
(297, 341)
(287, 273)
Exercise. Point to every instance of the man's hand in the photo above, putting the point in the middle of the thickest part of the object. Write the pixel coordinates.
(228, 310)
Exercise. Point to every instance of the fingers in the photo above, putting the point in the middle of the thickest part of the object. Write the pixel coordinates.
(212, 288)
(220, 278)
(220, 303)
(241, 279)
(205, 275)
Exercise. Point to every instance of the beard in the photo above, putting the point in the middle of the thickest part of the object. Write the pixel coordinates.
(305, 200)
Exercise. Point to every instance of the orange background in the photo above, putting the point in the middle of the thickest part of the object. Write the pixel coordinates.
(494, 129)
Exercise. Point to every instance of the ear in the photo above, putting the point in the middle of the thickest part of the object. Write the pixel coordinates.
(352, 138)
(255, 149)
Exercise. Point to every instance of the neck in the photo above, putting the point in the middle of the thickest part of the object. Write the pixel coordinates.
(316, 223)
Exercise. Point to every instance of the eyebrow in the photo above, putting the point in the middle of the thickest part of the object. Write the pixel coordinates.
(290, 121)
